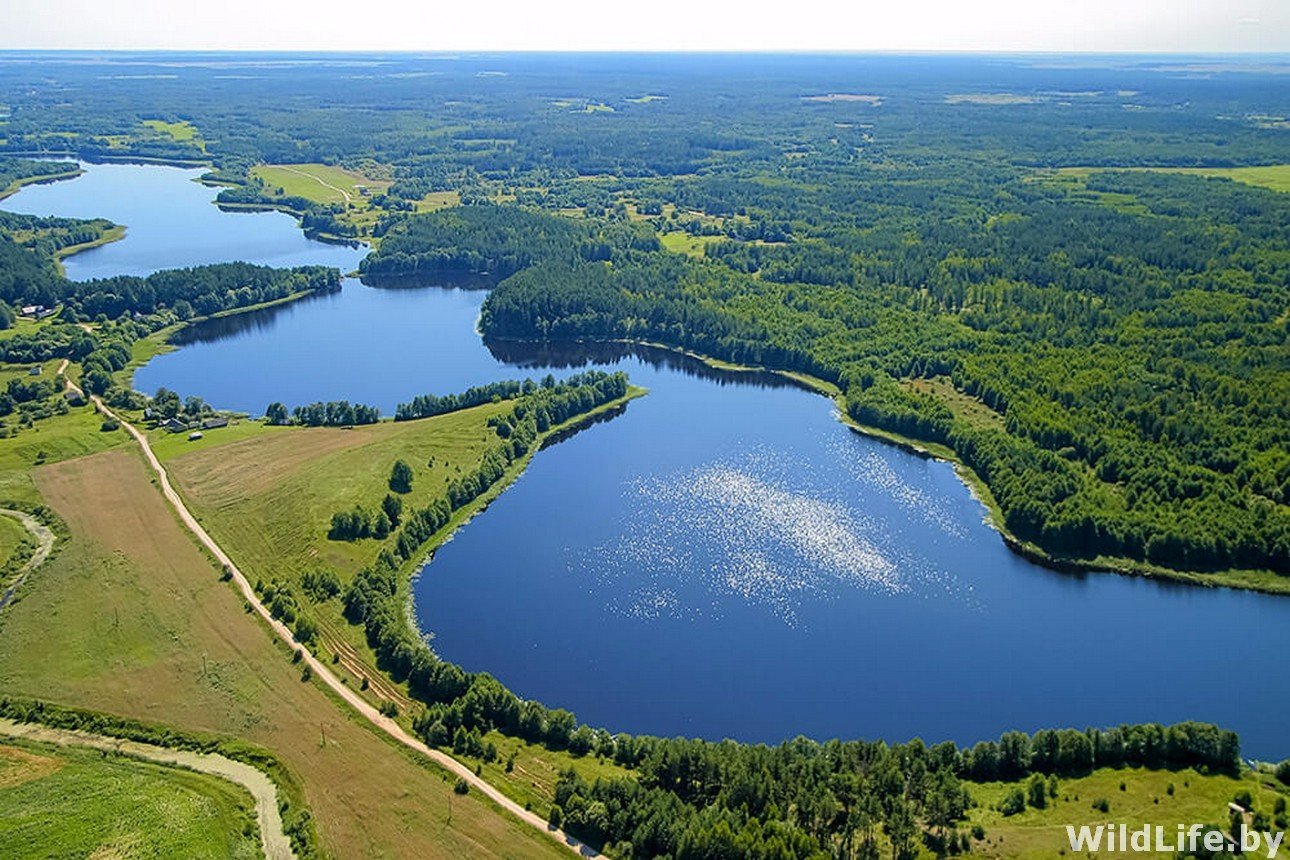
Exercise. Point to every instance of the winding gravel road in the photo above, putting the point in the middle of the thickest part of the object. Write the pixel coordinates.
(274, 841)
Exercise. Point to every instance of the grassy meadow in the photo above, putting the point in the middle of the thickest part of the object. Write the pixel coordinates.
(51, 440)
(131, 618)
(1275, 177)
(321, 183)
(181, 131)
(680, 242)
(268, 493)
(58, 801)
(1166, 798)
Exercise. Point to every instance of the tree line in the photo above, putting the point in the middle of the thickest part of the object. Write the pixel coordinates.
(692, 798)
(538, 407)
(28, 276)
(332, 413)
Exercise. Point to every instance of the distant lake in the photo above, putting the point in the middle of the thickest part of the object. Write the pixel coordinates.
(725, 559)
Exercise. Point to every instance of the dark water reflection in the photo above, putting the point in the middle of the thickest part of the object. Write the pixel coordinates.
(576, 356)
(216, 329)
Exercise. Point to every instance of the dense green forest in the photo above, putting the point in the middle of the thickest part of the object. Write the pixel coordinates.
(1136, 358)
(871, 221)
(496, 241)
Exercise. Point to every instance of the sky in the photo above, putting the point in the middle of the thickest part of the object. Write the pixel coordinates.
(1167, 26)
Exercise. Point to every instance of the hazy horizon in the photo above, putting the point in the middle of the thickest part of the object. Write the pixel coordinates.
(815, 26)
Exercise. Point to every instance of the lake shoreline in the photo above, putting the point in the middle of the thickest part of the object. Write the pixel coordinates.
(412, 569)
(43, 179)
(158, 342)
(1262, 582)
(115, 233)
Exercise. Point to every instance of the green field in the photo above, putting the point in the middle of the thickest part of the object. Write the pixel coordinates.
(1273, 176)
(321, 183)
(436, 200)
(25, 326)
(531, 781)
(1145, 799)
(267, 495)
(51, 440)
(963, 406)
(680, 242)
(181, 131)
(60, 801)
(337, 186)
(269, 492)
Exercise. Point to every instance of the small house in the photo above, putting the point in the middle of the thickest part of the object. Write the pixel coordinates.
(35, 371)
(215, 422)
(194, 436)
(173, 425)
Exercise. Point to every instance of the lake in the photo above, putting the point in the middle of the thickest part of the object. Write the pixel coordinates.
(725, 559)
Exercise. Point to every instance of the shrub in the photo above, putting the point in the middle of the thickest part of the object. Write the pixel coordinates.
(1014, 803)
(461, 786)
(1037, 791)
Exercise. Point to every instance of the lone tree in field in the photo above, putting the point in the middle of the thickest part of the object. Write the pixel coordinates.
(401, 477)
(276, 413)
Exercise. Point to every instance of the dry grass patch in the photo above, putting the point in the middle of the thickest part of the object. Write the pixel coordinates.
(19, 765)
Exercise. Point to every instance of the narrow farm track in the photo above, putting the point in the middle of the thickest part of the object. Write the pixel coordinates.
(276, 844)
(319, 180)
(44, 546)
(319, 668)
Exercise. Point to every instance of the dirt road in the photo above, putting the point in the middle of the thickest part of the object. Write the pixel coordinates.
(319, 668)
(274, 841)
(44, 546)
(319, 180)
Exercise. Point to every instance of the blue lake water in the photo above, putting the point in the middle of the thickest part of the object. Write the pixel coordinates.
(723, 559)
